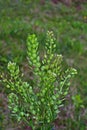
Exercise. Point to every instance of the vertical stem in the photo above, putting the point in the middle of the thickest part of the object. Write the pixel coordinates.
(45, 127)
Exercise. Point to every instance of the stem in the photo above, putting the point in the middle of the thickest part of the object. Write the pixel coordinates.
(45, 127)
(26, 121)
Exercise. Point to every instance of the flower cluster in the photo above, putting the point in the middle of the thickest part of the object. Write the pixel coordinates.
(38, 104)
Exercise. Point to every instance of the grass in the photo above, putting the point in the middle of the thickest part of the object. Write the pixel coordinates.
(69, 24)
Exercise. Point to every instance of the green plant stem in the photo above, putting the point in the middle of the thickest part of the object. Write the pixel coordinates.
(26, 121)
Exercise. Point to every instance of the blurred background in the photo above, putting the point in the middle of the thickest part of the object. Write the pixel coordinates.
(68, 21)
